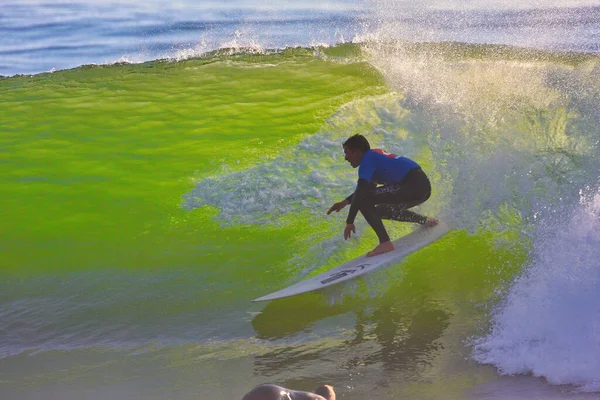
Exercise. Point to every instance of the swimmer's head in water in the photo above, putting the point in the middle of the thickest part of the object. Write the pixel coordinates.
(326, 391)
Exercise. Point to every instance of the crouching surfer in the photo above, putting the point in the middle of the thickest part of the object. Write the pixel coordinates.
(404, 185)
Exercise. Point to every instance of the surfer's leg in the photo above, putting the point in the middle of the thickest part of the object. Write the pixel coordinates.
(399, 212)
(393, 201)
(374, 220)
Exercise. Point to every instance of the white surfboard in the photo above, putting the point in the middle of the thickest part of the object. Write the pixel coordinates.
(362, 265)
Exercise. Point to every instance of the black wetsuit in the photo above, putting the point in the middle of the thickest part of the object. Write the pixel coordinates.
(390, 201)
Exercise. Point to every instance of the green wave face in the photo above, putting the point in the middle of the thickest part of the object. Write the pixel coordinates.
(96, 159)
(146, 205)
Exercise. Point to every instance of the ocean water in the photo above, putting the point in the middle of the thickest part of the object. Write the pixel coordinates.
(164, 163)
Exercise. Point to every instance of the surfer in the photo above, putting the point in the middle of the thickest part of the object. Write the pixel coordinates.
(404, 185)
(274, 392)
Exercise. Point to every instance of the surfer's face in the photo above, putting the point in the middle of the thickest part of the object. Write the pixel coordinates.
(353, 156)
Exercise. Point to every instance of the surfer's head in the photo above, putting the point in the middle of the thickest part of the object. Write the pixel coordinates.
(354, 149)
(326, 391)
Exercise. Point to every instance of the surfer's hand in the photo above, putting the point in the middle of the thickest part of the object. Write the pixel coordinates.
(349, 228)
(338, 206)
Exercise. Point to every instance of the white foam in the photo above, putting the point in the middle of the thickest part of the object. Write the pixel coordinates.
(549, 324)
(514, 141)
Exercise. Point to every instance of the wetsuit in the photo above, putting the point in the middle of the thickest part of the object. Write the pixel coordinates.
(405, 185)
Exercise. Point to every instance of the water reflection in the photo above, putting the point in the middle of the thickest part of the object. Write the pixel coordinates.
(405, 341)
(391, 333)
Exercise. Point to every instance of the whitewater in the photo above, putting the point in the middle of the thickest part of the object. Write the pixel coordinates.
(166, 163)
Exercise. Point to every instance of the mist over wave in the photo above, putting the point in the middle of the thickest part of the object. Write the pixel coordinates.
(307, 179)
(495, 134)
(310, 176)
(518, 139)
(511, 143)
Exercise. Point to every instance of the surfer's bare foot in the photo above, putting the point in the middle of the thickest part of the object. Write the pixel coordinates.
(431, 221)
(384, 247)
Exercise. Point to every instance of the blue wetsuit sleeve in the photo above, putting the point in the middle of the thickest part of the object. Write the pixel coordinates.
(362, 188)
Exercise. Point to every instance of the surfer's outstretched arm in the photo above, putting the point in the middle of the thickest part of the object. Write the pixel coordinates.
(338, 206)
(358, 197)
(341, 204)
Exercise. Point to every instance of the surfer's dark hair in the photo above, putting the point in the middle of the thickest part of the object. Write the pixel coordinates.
(357, 142)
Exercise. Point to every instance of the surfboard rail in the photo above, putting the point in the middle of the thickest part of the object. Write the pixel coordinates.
(362, 265)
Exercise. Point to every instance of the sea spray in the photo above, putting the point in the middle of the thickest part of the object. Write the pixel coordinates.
(518, 147)
(504, 132)
(549, 323)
